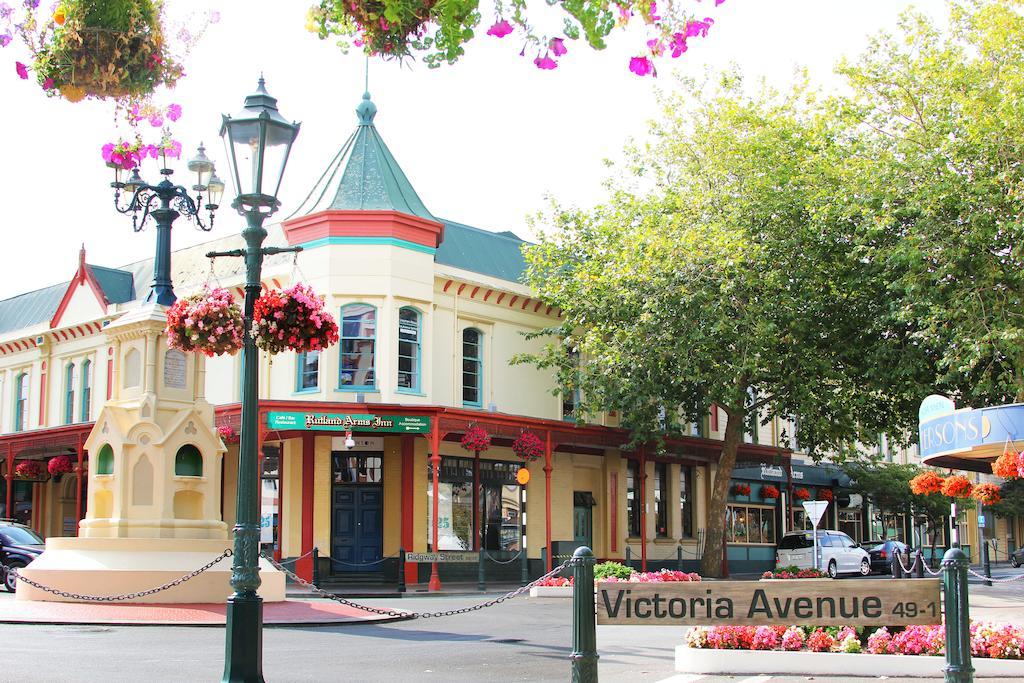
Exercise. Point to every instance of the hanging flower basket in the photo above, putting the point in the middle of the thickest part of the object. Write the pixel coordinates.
(926, 483)
(60, 464)
(390, 37)
(476, 439)
(30, 470)
(528, 446)
(227, 434)
(769, 492)
(825, 494)
(957, 486)
(293, 319)
(209, 322)
(1006, 465)
(801, 494)
(741, 489)
(986, 494)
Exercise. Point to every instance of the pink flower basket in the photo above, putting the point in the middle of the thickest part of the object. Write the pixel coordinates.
(209, 322)
(60, 464)
(293, 319)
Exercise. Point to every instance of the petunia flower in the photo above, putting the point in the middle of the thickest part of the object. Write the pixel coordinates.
(641, 66)
(5, 39)
(156, 119)
(500, 29)
(174, 112)
(545, 63)
(6, 10)
(656, 46)
(32, 4)
(48, 84)
(22, 70)
(678, 44)
(557, 47)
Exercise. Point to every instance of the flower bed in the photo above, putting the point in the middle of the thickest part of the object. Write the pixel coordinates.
(793, 572)
(663, 576)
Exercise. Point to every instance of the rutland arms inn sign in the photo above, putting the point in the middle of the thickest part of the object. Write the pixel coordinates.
(334, 422)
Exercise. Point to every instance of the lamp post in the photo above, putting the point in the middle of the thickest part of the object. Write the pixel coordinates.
(258, 142)
(165, 201)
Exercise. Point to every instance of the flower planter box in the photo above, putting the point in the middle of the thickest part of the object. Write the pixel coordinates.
(551, 592)
(756, 662)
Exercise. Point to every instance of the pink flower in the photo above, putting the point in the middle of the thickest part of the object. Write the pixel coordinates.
(641, 66)
(545, 63)
(22, 70)
(793, 639)
(156, 119)
(656, 46)
(557, 47)
(718, 2)
(678, 44)
(48, 83)
(654, 11)
(500, 29)
(696, 28)
(174, 112)
(5, 39)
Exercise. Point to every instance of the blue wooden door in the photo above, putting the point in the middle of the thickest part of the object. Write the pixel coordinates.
(357, 539)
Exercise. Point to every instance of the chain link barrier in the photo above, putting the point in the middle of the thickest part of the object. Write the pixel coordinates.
(1018, 577)
(125, 596)
(514, 558)
(913, 565)
(406, 614)
(300, 557)
(354, 564)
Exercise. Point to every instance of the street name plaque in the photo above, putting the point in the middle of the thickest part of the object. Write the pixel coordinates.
(823, 602)
(442, 557)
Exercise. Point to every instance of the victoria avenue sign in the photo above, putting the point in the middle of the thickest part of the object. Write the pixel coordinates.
(825, 602)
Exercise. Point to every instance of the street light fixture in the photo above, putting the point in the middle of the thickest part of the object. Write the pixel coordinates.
(258, 142)
(165, 201)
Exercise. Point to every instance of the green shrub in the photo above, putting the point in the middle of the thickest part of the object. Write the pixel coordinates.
(616, 569)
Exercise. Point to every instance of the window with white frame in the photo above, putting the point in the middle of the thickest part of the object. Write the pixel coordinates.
(307, 371)
(85, 411)
(409, 335)
(472, 368)
(21, 402)
(358, 347)
(69, 393)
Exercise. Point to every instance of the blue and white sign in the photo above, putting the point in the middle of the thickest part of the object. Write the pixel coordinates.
(935, 406)
(983, 429)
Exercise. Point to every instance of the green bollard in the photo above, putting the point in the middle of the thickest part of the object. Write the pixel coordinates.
(401, 570)
(679, 557)
(481, 580)
(629, 557)
(584, 618)
(958, 667)
(316, 566)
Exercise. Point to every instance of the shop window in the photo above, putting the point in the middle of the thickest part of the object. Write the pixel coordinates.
(686, 499)
(307, 366)
(887, 525)
(750, 524)
(270, 498)
(86, 408)
(409, 350)
(69, 393)
(105, 460)
(661, 500)
(851, 523)
(632, 498)
(21, 402)
(358, 347)
(188, 462)
(472, 368)
(497, 500)
(357, 469)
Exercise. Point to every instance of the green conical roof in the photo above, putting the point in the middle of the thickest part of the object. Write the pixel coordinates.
(371, 179)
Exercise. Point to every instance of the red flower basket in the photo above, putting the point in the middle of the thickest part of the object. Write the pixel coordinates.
(741, 489)
(28, 469)
(476, 439)
(926, 483)
(986, 494)
(768, 491)
(801, 494)
(293, 319)
(60, 464)
(227, 434)
(209, 322)
(825, 494)
(1005, 466)
(528, 446)
(957, 486)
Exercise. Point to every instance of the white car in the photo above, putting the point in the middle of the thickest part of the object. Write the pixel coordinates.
(837, 553)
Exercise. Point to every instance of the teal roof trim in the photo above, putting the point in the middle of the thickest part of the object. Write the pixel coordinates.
(391, 241)
(498, 254)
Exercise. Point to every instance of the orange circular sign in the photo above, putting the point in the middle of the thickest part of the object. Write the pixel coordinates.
(523, 476)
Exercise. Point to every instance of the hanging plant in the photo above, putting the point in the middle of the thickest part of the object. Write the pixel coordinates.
(768, 492)
(825, 494)
(60, 464)
(741, 489)
(28, 469)
(801, 494)
(957, 486)
(293, 319)
(476, 439)
(1006, 465)
(227, 434)
(209, 322)
(528, 446)
(926, 483)
(986, 494)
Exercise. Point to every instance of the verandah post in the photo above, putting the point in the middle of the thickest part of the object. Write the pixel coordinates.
(584, 619)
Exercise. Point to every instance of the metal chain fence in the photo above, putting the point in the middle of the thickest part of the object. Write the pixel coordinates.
(125, 596)
(354, 564)
(495, 560)
(1018, 577)
(300, 557)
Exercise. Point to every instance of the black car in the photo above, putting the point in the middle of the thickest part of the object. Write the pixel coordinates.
(19, 545)
(881, 553)
(1017, 557)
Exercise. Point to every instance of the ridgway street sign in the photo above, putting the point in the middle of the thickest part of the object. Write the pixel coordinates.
(449, 556)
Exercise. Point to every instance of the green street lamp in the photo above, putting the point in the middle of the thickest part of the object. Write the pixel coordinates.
(258, 142)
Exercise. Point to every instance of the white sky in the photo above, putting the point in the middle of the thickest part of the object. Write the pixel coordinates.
(482, 141)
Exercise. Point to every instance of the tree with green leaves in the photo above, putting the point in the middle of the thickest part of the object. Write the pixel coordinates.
(722, 270)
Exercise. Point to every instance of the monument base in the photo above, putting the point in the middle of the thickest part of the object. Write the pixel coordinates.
(114, 566)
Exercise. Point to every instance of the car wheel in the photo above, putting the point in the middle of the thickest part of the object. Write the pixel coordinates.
(11, 583)
(833, 570)
(865, 567)
(1014, 561)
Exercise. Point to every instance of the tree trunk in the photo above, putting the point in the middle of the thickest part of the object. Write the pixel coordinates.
(714, 547)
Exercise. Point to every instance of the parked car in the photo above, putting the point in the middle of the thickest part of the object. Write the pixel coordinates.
(19, 545)
(1017, 557)
(881, 553)
(837, 553)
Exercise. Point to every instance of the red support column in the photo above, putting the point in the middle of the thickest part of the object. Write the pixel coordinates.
(78, 485)
(435, 463)
(10, 481)
(304, 567)
(643, 508)
(408, 503)
(547, 498)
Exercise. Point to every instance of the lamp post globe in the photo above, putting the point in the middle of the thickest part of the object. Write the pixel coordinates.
(258, 142)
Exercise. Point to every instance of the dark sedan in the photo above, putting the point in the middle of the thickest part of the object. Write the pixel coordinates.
(20, 545)
(1017, 557)
(881, 553)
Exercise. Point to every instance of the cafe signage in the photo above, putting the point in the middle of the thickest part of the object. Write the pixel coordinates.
(825, 602)
(336, 422)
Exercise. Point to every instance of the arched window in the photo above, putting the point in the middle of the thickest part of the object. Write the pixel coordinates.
(408, 350)
(105, 460)
(86, 410)
(69, 393)
(472, 368)
(21, 402)
(358, 347)
(188, 462)
(307, 371)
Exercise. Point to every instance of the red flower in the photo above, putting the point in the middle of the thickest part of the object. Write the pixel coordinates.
(28, 469)
(528, 446)
(926, 483)
(957, 486)
(986, 494)
(476, 439)
(741, 489)
(769, 491)
(59, 465)
(209, 322)
(801, 494)
(825, 494)
(1005, 466)
(293, 319)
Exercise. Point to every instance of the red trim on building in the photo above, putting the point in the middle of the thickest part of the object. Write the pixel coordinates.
(408, 499)
(461, 287)
(537, 307)
(526, 302)
(83, 276)
(714, 417)
(500, 297)
(277, 284)
(473, 293)
(335, 223)
(513, 302)
(447, 285)
(488, 294)
(42, 395)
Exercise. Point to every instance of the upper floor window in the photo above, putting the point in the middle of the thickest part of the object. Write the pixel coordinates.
(307, 371)
(358, 347)
(409, 349)
(472, 367)
(86, 408)
(21, 402)
(661, 500)
(69, 393)
(571, 397)
(632, 498)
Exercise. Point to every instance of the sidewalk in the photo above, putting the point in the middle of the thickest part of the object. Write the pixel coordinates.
(419, 590)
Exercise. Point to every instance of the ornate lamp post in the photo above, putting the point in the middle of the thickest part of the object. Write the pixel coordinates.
(258, 142)
(165, 201)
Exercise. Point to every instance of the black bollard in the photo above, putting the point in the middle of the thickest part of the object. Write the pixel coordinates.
(316, 567)
(481, 580)
(986, 564)
(584, 619)
(958, 667)
(919, 564)
(897, 568)
(401, 570)
(679, 557)
(629, 558)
